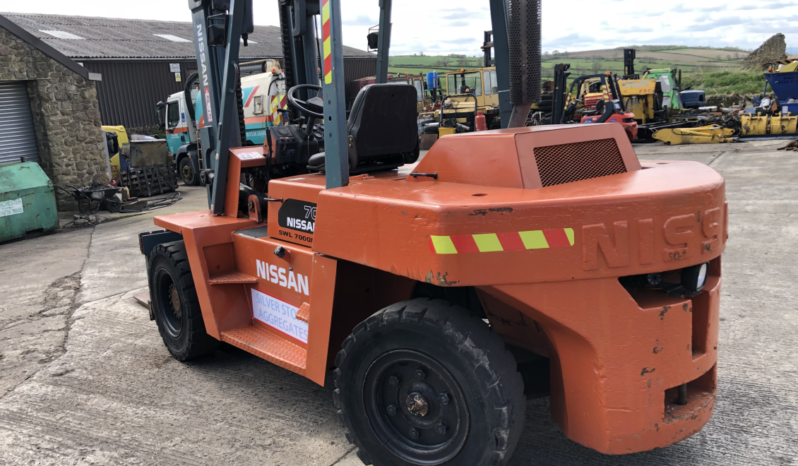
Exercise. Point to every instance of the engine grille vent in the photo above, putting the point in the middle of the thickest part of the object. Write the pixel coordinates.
(566, 163)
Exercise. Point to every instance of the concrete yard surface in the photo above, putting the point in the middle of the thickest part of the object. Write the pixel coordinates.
(86, 378)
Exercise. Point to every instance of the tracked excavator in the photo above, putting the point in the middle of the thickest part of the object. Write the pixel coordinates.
(436, 295)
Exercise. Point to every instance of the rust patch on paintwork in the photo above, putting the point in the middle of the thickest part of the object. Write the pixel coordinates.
(664, 311)
(647, 371)
(430, 276)
(684, 307)
(442, 281)
(498, 210)
(657, 350)
(672, 413)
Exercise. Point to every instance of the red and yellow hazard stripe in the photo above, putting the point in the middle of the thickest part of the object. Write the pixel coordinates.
(277, 102)
(494, 242)
(326, 40)
(606, 93)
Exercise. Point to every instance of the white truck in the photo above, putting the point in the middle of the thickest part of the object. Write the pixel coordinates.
(263, 95)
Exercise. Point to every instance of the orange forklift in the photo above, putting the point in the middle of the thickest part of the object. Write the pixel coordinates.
(439, 294)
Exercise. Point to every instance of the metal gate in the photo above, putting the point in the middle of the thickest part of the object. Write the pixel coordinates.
(17, 135)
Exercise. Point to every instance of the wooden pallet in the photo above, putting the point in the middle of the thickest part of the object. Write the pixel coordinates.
(150, 180)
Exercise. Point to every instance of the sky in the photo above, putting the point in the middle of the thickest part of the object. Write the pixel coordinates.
(438, 27)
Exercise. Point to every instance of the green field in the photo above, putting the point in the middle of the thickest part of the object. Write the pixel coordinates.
(712, 69)
(727, 82)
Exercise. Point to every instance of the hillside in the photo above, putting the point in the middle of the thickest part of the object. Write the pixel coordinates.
(691, 60)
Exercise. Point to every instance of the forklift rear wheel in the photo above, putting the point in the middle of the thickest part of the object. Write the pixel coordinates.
(187, 173)
(422, 382)
(175, 304)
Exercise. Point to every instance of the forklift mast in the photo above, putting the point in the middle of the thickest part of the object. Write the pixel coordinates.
(222, 26)
(629, 56)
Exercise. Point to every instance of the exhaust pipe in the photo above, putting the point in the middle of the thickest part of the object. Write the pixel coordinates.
(524, 41)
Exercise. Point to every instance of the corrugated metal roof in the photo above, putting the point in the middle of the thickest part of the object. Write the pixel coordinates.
(51, 52)
(136, 39)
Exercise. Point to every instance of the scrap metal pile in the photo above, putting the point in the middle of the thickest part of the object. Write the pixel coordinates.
(655, 106)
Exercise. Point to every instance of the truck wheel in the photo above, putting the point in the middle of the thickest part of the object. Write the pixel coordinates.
(175, 304)
(422, 382)
(187, 173)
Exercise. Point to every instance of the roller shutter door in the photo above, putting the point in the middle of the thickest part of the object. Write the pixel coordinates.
(17, 135)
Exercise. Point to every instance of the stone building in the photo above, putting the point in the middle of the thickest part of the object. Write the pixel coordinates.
(49, 111)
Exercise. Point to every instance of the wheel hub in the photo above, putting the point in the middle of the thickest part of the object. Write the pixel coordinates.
(167, 302)
(174, 299)
(417, 405)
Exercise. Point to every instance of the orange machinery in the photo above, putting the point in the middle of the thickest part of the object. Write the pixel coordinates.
(426, 288)
(542, 247)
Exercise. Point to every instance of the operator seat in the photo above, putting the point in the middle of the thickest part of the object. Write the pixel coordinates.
(382, 131)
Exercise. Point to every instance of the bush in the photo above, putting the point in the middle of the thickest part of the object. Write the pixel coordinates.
(726, 82)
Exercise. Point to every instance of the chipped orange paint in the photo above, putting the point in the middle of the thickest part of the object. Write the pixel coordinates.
(616, 357)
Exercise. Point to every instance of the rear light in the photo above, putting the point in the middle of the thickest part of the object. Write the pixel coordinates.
(686, 282)
(694, 278)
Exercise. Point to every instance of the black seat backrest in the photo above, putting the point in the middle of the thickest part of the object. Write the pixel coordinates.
(383, 120)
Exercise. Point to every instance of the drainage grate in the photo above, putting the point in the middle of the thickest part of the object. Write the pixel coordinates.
(566, 163)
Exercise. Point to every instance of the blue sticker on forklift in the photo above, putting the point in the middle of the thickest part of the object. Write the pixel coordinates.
(279, 315)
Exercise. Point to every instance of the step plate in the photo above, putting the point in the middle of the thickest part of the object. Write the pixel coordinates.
(233, 278)
(269, 346)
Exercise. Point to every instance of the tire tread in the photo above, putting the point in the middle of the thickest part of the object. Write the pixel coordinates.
(494, 366)
(199, 342)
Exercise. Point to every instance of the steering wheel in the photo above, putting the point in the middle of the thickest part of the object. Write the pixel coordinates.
(313, 107)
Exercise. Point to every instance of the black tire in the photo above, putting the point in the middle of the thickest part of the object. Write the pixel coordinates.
(187, 173)
(468, 384)
(175, 304)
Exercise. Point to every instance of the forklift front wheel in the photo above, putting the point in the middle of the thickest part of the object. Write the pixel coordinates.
(422, 382)
(175, 304)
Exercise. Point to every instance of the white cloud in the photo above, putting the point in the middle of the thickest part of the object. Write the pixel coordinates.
(436, 26)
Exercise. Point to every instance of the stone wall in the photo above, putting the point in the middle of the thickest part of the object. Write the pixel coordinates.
(772, 50)
(66, 115)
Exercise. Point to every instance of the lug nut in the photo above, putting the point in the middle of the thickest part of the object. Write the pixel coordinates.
(441, 428)
(444, 398)
(414, 433)
(391, 410)
(420, 374)
(393, 381)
